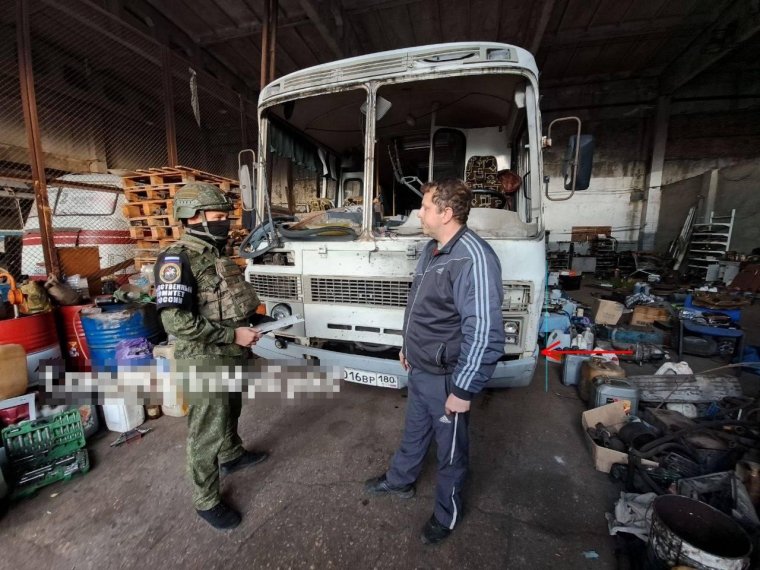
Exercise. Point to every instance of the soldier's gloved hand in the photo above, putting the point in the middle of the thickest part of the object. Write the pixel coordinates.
(246, 336)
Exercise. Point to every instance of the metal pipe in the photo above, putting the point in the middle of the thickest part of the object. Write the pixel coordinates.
(265, 47)
(272, 46)
(34, 141)
(369, 161)
(170, 125)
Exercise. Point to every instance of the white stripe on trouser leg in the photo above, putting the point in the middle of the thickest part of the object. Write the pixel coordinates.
(454, 503)
(454, 438)
(451, 462)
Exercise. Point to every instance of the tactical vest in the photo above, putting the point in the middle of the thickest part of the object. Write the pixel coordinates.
(222, 293)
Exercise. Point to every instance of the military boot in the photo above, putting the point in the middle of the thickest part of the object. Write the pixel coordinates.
(248, 459)
(221, 516)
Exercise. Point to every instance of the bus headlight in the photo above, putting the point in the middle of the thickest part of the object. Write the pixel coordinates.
(281, 311)
(511, 332)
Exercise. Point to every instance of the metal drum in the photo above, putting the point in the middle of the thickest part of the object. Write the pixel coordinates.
(104, 330)
(39, 337)
(73, 339)
(687, 532)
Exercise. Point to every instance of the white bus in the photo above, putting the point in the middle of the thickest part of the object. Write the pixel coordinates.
(392, 120)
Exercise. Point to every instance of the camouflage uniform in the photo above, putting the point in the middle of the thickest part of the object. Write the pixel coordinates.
(202, 297)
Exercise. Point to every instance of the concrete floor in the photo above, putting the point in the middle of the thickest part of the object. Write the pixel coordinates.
(533, 500)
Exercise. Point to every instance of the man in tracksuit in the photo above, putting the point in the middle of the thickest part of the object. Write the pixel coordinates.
(453, 337)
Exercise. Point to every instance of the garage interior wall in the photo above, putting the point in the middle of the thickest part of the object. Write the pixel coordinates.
(102, 102)
(707, 129)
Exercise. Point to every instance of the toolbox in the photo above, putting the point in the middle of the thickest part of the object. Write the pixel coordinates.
(44, 451)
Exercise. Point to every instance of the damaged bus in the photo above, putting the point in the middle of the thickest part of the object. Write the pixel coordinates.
(341, 251)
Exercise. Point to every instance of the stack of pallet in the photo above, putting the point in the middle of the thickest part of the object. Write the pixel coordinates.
(150, 199)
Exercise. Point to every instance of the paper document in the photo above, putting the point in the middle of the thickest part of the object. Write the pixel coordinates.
(279, 324)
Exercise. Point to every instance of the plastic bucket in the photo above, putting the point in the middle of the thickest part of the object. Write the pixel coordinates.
(39, 337)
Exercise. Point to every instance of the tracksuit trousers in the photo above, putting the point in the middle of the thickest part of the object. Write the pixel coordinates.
(426, 418)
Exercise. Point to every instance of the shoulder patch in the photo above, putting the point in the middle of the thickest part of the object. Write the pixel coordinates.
(170, 272)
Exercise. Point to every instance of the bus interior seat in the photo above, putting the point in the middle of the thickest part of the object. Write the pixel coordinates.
(480, 176)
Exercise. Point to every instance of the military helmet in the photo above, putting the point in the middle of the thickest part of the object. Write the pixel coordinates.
(197, 196)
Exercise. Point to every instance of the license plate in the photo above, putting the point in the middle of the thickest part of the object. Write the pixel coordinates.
(370, 378)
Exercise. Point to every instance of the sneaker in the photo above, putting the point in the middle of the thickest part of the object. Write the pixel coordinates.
(248, 459)
(221, 516)
(434, 532)
(380, 486)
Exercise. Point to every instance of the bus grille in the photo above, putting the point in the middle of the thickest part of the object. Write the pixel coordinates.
(359, 291)
(277, 286)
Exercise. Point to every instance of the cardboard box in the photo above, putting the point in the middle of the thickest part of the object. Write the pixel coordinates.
(647, 314)
(613, 416)
(607, 312)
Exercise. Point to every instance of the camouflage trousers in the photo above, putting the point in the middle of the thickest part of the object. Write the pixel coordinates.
(212, 438)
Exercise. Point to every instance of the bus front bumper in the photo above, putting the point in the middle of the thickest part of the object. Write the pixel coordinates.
(385, 372)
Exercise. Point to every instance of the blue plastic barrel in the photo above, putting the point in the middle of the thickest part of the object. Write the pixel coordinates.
(106, 329)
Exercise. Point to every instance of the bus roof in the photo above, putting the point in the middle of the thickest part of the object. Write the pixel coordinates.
(431, 60)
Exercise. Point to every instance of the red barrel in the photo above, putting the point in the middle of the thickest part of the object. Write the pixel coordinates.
(39, 337)
(73, 341)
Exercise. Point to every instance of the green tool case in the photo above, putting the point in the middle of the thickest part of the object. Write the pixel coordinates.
(44, 451)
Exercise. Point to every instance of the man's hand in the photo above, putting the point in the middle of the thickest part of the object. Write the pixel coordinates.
(246, 336)
(402, 360)
(456, 405)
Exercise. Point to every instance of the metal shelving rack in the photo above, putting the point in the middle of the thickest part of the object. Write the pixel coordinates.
(709, 242)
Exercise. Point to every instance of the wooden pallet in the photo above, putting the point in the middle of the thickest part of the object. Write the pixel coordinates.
(163, 192)
(175, 175)
(154, 233)
(150, 206)
(145, 208)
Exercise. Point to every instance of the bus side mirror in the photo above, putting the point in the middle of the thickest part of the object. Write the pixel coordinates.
(584, 146)
(247, 178)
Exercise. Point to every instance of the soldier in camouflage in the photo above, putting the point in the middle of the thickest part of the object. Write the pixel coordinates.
(205, 302)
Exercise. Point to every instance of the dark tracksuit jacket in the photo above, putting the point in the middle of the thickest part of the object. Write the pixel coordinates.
(453, 337)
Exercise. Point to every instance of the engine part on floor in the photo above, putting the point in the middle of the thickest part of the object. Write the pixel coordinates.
(604, 437)
(667, 420)
(725, 492)
(636, 434)
(677, 463)
(639, 478)
(690, 533)
(700, 345)
(592, 368)
(643, 352)
(686, 388)
(714, 460)
(607, 390)
(624, 338)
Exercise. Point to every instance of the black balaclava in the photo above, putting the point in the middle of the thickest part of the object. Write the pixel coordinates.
(214, 233)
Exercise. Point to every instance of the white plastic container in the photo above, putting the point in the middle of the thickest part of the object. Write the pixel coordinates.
(121, 417)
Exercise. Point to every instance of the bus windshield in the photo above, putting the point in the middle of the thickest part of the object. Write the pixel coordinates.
(473, 127)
